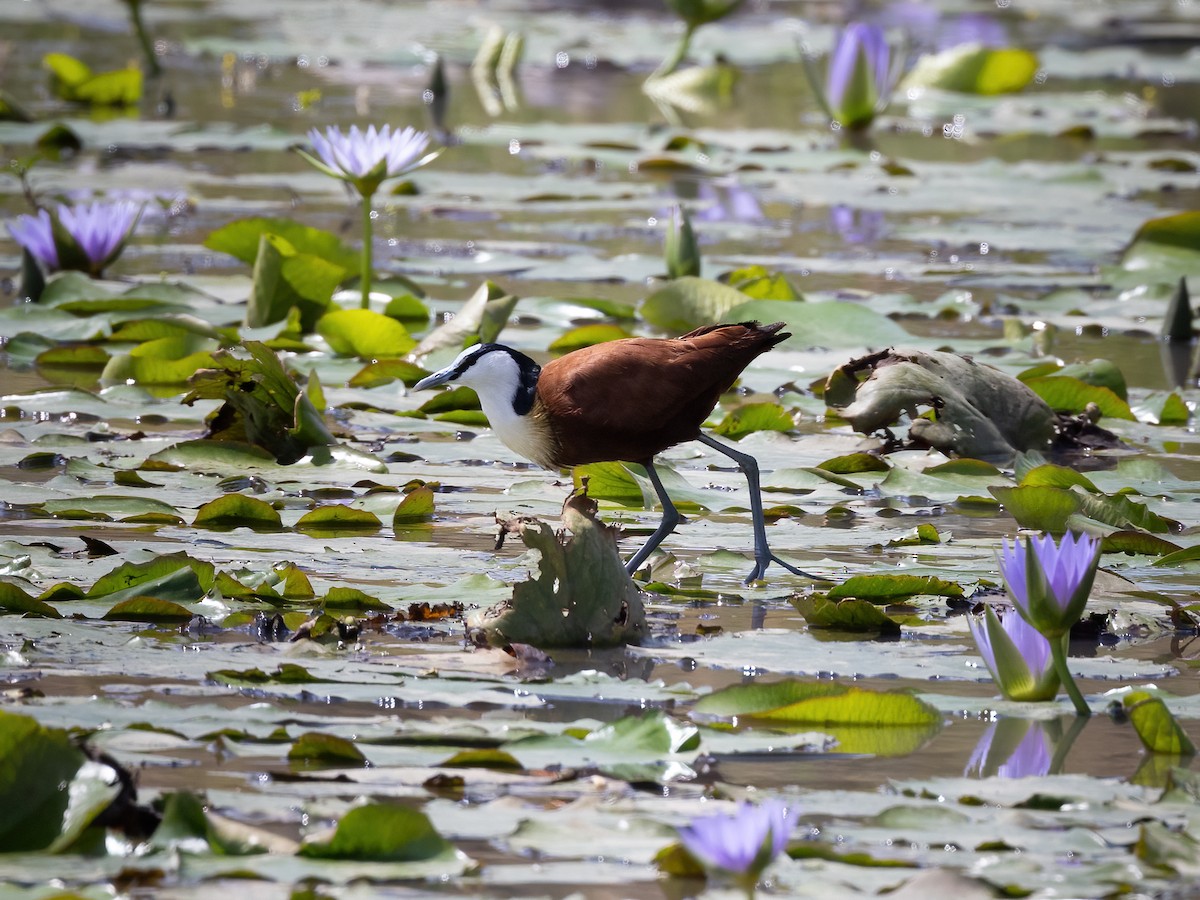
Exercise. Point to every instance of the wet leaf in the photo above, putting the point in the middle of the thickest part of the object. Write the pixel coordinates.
(758, 283)
(240, 238)
(974, 69)
(148, 609)
(1043, 508)
(417, 506)
(479, 321)
(581, 596)
(238, 511)
(380, 832)
(980, 411)
(15, 600)
(285, 673)
(853, 463)
(1049, 475)
(610, 481)
(186, 578)
(364, 333)
(482, 759)
(1166, 247)
(1072, 395)
(587, 336)
(285, 278)
(352, 599)
(751, 417)
(167, 361)
(338, 519)
(385, 371)
(37, 766)
(315, 746)
(889, 588)
(1158, 729)
(689, 302)
(862, 721)
(854, 615)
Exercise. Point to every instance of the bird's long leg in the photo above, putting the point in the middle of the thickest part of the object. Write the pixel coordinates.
(763, 556)
(670, 519)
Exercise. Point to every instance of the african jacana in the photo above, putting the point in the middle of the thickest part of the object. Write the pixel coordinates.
(625, 400)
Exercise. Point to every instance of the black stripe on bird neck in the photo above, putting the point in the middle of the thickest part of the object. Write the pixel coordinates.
(527, 374)
(526, 391)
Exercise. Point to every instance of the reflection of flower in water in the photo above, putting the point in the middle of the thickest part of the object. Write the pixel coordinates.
(929, 29)
(995, 754)
(725, 200)
(155, 204)
(857, 226)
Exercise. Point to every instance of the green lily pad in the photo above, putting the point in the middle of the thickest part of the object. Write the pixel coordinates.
(148, 609)
(974, 69)
(1072, 395)
(860, 616)
(751, 417)
(417, 506)
(364, 333)
(381, 832)
(1158, 729)
(316, 746)
(587, 336)
(338, 518)
(238, 511)
(889, 588)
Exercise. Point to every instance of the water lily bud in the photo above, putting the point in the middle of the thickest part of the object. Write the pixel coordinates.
(1017, 655)
(858, 79)
(681, 250)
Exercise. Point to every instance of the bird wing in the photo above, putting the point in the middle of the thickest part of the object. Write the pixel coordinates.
(636, 384)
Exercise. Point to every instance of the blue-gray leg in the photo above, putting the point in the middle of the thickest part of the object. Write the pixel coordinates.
(763, 556)
(670, 520)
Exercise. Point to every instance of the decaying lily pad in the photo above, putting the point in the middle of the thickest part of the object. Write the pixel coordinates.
(977, 411)
(582, 596)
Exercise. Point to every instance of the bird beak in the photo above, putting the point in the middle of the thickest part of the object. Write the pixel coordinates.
(439, 377)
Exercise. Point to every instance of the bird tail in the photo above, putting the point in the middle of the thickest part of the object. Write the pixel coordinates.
(766, 335)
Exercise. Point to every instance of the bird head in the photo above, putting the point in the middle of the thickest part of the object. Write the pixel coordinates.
(497, 373)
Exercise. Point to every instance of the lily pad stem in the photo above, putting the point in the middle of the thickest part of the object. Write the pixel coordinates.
(1058, 652)
(364, 277)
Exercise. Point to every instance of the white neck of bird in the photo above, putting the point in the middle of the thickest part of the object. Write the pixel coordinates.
(497, 379)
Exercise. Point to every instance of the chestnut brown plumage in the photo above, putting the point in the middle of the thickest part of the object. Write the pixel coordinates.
(622, 400)
(630, 400)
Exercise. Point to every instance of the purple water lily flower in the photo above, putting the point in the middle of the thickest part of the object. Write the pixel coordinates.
(1051, 593)
(859, 75)
(36, 234)
(86, 237)
(100, 229)
(929, 30)
(367, 158)
(741, 843)
(1016, 654)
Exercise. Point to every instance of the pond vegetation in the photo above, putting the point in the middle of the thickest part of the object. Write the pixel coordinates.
(259, 633)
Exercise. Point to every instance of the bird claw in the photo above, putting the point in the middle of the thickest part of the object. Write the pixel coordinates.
(762, 561)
